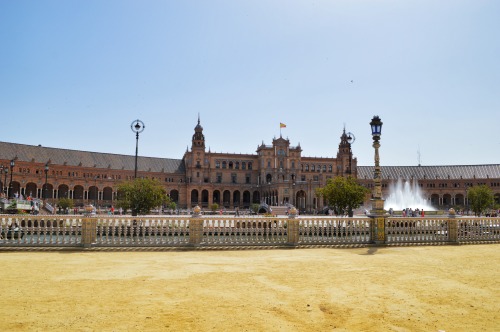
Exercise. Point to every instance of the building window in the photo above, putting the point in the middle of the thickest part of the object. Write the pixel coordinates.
(230, 165)
(313, 168)
(219, 178)
(217, 164)
(233, 178)
(237, 165)
(249, 165)
(330, 168)
(223, 164)
(247, 179)
(307, 168)
(243, 165)
(324, 168)
(268, 163)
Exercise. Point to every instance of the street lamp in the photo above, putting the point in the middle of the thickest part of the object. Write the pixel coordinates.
(96, 192)
(467, 199)
(46, 179)
(4, 187)
(12, 164)
(376, 125)
(137, 128)
(377, 211)
(1, 172)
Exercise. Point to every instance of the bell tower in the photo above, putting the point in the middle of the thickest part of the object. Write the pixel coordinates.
(198, 141)
(346, 165)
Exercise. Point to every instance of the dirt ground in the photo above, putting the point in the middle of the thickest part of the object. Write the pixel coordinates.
(434, 288)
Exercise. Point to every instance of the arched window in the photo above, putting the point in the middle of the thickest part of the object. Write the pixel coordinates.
(223, 164)
(230, 165)
(330, 168)
(313, 168)
(243, 165)
(324, 168)
(249, 165)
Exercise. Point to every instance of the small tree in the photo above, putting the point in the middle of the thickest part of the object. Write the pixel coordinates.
(141, 195)
(65, 203)
(214, 207)
(255, 207)
(343, 194)
(481, 198)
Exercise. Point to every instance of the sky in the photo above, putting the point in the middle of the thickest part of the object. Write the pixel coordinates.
(75, 74)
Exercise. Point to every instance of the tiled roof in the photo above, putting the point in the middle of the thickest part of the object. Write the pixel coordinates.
(433, 172)
(42, 154)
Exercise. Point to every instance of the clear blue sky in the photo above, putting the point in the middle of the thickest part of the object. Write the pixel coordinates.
(75, 74)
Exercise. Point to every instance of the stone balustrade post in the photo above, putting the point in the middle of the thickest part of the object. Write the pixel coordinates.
(292, 228)
(377, 224)
(452, 227)
(89, 231)
(196, 227)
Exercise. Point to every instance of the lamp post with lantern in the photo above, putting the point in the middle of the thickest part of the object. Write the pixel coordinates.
(377, 212)
(137, 129)
(3, 183)
(12, 164)
(4, 188)
(46, 170)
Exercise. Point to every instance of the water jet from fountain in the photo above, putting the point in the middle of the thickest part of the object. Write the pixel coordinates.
(406, 194)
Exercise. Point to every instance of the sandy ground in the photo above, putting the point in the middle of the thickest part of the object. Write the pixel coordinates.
(440, 288)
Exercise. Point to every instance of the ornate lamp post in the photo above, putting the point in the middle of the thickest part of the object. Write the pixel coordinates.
(96, 192)
(137, 128)
(377, 211)
(46, 179)
(4, 188)
(1, 172)
(467, 199)
(12, 164)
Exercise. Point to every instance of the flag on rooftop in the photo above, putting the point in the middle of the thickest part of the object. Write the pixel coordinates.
(282, 125)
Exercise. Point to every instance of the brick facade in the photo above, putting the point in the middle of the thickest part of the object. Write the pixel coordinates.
(277, 174)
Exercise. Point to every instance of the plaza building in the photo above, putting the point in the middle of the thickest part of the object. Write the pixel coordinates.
(277, 174)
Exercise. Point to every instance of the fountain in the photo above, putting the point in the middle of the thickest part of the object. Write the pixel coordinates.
(404, 195)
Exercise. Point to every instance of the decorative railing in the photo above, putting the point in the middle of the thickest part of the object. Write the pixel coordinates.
(478, 229)
(416, 230)
(49, 207)
(245, 231)
(143, 232)
(46, 231)
(78, 231)
(334, 231)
